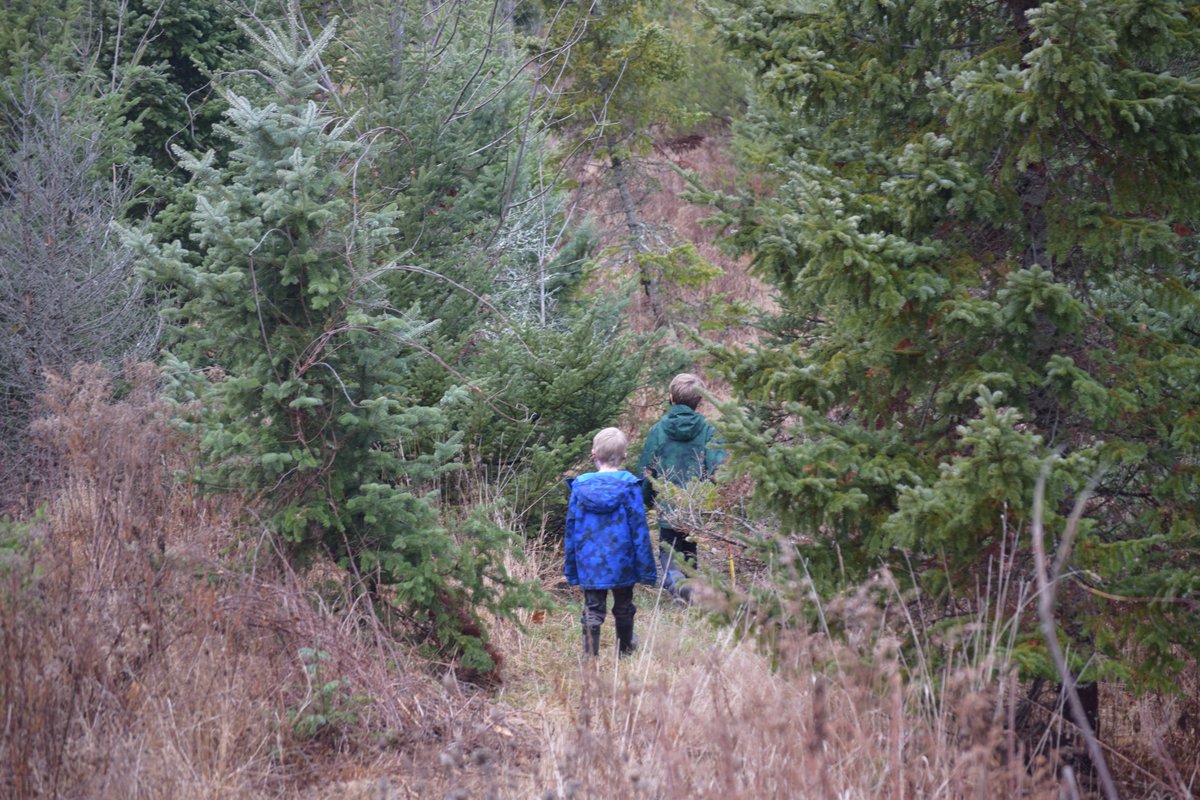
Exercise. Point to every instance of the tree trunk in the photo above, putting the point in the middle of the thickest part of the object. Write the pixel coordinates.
(636, 228)
(508, 33)
(1033, 188)
(396, 38)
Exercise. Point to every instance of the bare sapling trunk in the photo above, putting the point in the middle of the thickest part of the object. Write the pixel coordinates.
(1048, 576)
(637, 236)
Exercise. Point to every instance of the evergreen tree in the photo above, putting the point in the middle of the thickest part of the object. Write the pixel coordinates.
(162, 56)
(309, 399)
(981, 219)
(32, 30)
(490, 253)
(613, 64)
(443, 98)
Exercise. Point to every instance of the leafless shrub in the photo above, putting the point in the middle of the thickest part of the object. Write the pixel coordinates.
(68, 290)
(522, 253)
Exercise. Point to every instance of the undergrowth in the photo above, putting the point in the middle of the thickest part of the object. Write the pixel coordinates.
(154, 643)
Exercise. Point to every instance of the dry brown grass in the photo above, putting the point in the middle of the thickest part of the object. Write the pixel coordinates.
(702, 710)
(672, 220)
(1154, 738)
(705, 712)
(152, 642)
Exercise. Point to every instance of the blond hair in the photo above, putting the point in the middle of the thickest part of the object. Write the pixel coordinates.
(608, 447)
(687, 390)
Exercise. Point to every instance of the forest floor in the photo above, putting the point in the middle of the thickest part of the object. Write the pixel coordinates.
(708, 709)
(156, 643)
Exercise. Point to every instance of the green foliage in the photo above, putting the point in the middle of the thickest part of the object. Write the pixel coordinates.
(33, 31)
(442, 102)
(681, 265)
(710, 86)
(982, 226)
(615, 66)
(617, 72)
(330, 703)
(163, 55)
(151, 63)
(310, 401)
(541, 396)
(448, 106)
(17, 541)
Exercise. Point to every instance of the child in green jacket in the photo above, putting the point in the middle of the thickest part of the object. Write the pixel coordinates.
(681, 446)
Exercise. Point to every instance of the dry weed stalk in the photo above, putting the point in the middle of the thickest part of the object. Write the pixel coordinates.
(1048, 577)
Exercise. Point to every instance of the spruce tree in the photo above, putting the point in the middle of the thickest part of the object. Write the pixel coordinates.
(31, 31)
(162, 56)
(981, 219)
(305, 366)
(442, 101)
(451, 109)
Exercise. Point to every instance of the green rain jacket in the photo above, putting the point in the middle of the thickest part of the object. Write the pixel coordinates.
(681, 446)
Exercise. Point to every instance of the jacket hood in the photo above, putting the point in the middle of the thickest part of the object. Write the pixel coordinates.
(683, 424)
(602, 491)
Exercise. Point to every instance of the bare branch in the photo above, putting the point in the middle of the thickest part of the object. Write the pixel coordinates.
(1047, 580)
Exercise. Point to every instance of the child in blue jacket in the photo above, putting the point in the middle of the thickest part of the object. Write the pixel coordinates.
(607, 542)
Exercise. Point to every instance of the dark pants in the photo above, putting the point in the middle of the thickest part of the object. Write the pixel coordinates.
(595, 602)
(672, 543)
(679, 543)
(595, 606)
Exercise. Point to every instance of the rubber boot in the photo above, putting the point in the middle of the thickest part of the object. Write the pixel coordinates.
(591, 640)
(672, 576)
(627, 640)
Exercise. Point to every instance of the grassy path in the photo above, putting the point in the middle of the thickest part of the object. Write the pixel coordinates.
(698, 712)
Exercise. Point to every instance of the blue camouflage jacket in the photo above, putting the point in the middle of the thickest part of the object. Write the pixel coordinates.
(607, 540)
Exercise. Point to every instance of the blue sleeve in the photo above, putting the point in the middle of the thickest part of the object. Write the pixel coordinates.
(643, 551)
(570, 569)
